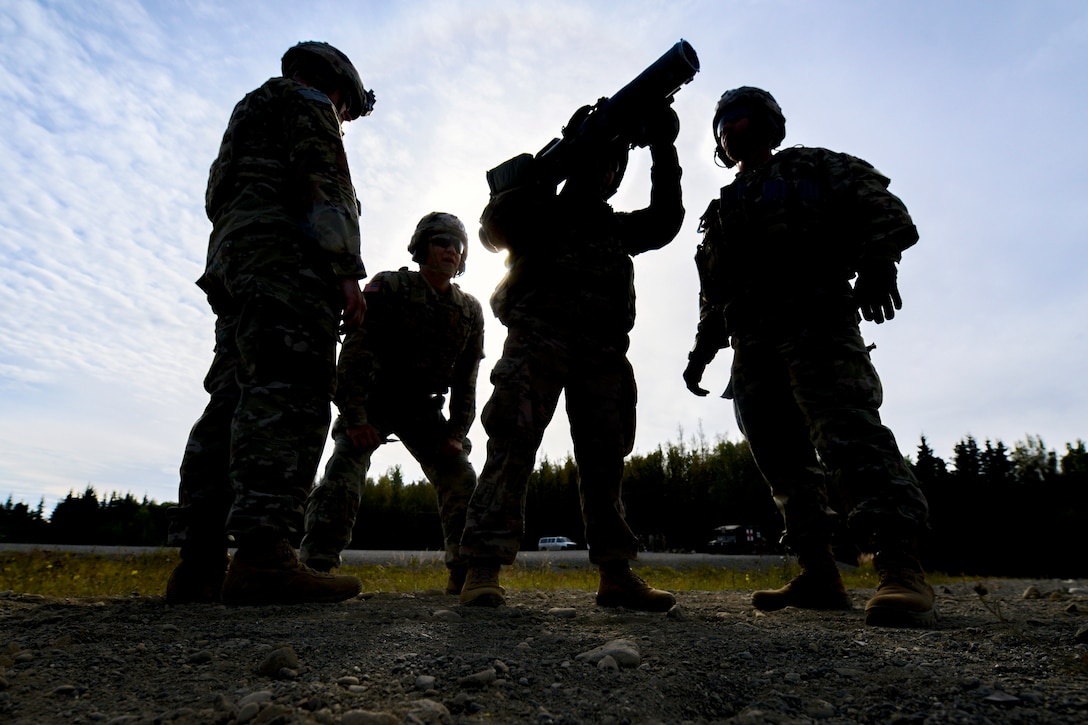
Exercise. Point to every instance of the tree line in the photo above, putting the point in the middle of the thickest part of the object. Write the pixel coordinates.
(993, 510)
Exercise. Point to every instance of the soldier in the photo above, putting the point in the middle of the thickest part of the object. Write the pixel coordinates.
(780, 247)
(568, 302)
(282, 274)
(423, 337)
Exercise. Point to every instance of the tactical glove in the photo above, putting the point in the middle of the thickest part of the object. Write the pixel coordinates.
(876, 292)
(693, 375)
(660, 126)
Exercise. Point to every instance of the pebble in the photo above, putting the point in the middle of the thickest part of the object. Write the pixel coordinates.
(427, 712)
(425, 682)
(247, 712)
(1002, 698)
(1082, 635)
(479, 679)
(199, 658)
(819, 709)
(608, 662)
(446, 615)
(278, 660)
(369, 717)
(563, 612)
(624, 651)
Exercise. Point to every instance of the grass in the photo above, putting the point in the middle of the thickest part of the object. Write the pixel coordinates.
(57, 574)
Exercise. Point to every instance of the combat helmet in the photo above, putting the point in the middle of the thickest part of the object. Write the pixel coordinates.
(438, 225)
(313, 57)
(771, 117)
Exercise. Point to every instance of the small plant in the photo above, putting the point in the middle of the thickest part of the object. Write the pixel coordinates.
(992, 605)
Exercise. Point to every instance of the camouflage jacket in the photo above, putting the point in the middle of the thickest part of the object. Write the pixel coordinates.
(570, 272)
(783, 241)
(415, 342)
(282, 170)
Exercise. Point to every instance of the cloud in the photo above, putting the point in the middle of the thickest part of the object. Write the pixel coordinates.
(113, 112)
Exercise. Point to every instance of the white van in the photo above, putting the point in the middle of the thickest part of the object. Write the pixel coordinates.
(555, 543)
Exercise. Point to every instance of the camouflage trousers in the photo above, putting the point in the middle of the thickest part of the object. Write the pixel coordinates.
(599, 388)
(333, 506)
(252, 456)
(808, 403)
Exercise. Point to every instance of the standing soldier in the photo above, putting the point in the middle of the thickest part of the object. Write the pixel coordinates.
(282, 274)
(568, 302)
(779, 249)
(423, 336)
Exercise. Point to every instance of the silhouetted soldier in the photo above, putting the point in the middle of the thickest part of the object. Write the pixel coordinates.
(282, 274)
(423, 337)
(779, 249)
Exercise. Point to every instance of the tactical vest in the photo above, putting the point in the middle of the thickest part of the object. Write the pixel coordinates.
(578, 283)
(423, 333)
(787, 236)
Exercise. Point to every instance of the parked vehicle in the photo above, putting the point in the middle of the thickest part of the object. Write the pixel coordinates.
(555, 543)
(737, 539)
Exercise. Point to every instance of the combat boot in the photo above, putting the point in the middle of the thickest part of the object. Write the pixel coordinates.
(818, 586)
(455, 582)
(903, 598)
(198, 577)
(322, 566)
(621, 587)
(269, 572)
(481, 587)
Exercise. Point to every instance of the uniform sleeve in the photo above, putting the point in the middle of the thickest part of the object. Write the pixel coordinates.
(712, 334)
(318, 160)
(465, 371)
(355, 369)
(658, 224)
(878, 218)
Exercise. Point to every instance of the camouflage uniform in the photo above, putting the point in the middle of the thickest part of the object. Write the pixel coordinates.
(568, 302)
(285, 231)
(415, 345)
(779, 249)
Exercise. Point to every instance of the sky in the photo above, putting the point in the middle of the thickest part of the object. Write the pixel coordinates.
(113, 111)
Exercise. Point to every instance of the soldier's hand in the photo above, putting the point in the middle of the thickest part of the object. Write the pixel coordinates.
(877, 292)
(365, 436)
(451, 447)
(354, 305)
(693, 375)
(660, 126)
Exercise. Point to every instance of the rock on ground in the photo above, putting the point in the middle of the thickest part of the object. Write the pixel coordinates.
(1014, 655)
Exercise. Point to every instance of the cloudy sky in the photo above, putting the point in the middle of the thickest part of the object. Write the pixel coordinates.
(112, 112)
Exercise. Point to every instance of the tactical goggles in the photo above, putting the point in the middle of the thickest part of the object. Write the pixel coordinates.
(731, 115)
(447, 242)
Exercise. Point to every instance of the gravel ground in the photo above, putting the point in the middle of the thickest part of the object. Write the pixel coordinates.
(1019, 655)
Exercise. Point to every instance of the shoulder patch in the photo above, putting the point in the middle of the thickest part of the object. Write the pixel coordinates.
(312, 94)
